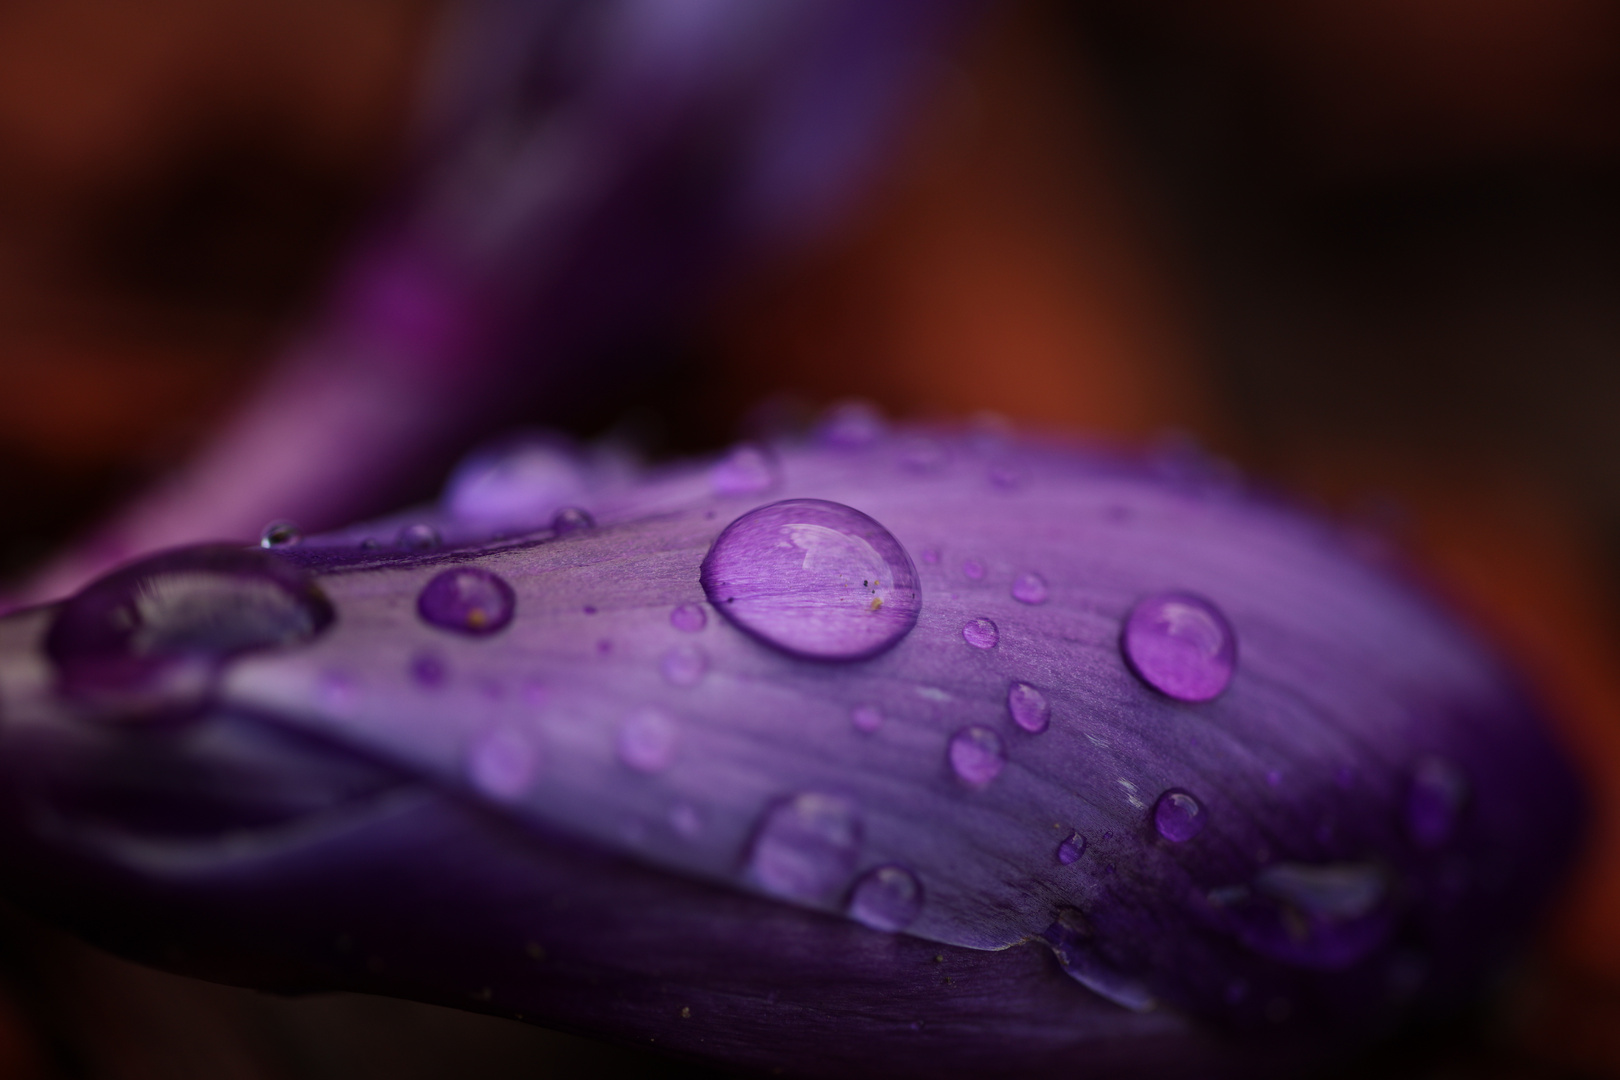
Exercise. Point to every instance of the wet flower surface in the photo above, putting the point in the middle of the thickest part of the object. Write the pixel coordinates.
(762, 782)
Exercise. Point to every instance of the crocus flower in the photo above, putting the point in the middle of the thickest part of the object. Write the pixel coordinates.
(889, 751)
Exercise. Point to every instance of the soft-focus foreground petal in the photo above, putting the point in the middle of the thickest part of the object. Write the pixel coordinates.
(916, 752)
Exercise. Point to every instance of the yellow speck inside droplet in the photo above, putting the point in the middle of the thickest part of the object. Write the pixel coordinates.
(877, 602)
(477, 617)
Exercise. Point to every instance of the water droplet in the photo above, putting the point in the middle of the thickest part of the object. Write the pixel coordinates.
(517, 485)
(647, 740)
(418, 537)
(1029, 588)
(571, 519)
(502, 763)
(981, 634)
(467, 599)
(685, 820)
(813, 578)
(851, 425)
(921, 454)
(886, 898)
(1071, 848)
(147, 640)
(973, 569)
(867, 718)
(1320, 916)
(1029, 708)
(428, 669)
(689, 618)
(280, 534)
(684, 665)
(746, 470)
(930, 555)
(977, 755)
(806, 846)
(1434, 801)
(1078, 954)
(1181, 645)
(1178, 816)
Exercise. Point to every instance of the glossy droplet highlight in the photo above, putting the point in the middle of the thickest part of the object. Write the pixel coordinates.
(866, 718)
(418, 537)
(684, 665)
(571, 519)
(746, 470)
(886, 898)
(1178, 816)
(689, 618)
(1070, 849)
(1434, 801)
(981, 634)
(502, 763)
(280, 534)
(977, 755)
(813, 578)
(806, 846)
(647, 740)
(1029, 588)
(467, 600)
(1029, 708)
(1181, 645)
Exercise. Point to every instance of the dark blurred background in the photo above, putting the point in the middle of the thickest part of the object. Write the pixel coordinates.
(1368, 249)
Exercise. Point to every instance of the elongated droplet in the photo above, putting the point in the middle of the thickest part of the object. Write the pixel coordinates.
(280, 534)
(866, 718)
(806, 846)
(981, 634)
(1181, 645)
(502, 763)
(746, 470)
(418, 537)
(977, 755)
(886, 898)
(684, 665)
(1178, 816)
(1029, 588)
(1434, 801)
(689, 618)
(1029, 708)
(518, 485)
(813, 578)
(571, 519)
(1071, 848)
(647, 740)
(468, 600)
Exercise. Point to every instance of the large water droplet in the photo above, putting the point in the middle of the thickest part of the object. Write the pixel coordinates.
(851, 425)
(1181, 645)
(280, 534)
(886, 898)
(806, 846)
(147, 639)
(520, 484)
(647, 740)
(1079, 955)
(981, 634)
(684, 665)
(746, 470)
(467, 599)
(1071, 848)
(418, 537)
(1322, 916)
(1029, 588)
(502, 763)
(1029, 708)
(1178, 816)
(688, 618)
(977, 755)
(813, 578)
(1434, 801)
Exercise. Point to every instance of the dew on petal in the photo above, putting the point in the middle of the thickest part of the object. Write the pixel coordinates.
(1181, 645)
(279, 534)
(1434, 801)
(571, 519)
(684, 665)
(1178, 816)
(517, 486)
(689, 618)
(647, 740)
(1319, 916)
(981, 634)
(418, 537)
(1029, 708)
(977, 755)
(746, 470)
(428, 670)
(813, 578)
(502, 763)
(886, 898)
(467, 600)
(685, 820)
(1071, 848)
(851, 425)
(805, 847)
(1030, 588)
(929, 555)
(921, 454)
(866, 718)
(973, 569)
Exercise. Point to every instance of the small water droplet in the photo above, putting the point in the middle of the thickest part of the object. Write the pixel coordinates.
(689, 618)
(930, 555)
(1029, 588)
(805, 847)
(921, 454)
(981, 633)
(973, 569)
(684, 665)
(813, 578)
(1434, 801)
(746, 470)
(647, 740)
(1181, 645)
(571, 519)
(1029, 708)
(866, 718)
(517, 485)
(428, 669)
(468, 600)
(851, 425)
(418, 537)
(1072, 847)
(280, 534)
(503, 763)
(685, 820)
(370, 543)
(886, 898)
(1178, 816)
(977, 755)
